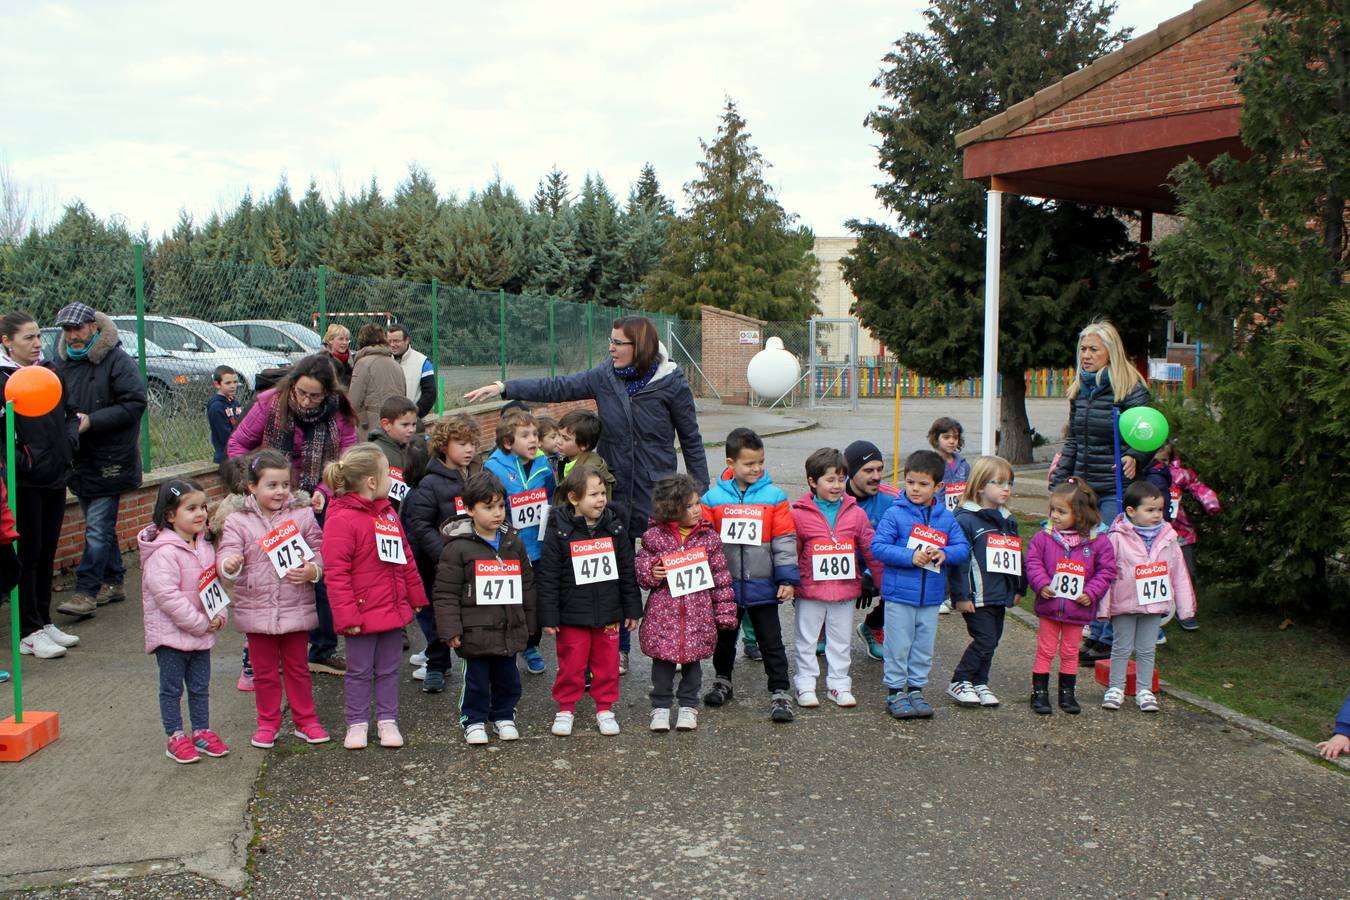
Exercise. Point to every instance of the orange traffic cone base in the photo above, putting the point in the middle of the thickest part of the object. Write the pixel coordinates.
(18, 741)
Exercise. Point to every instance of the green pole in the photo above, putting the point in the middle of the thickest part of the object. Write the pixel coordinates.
(551, 304)
(14, 636)
(139, 256)
(436, 344)
(323, 299)
(590, 335)
(501, 327)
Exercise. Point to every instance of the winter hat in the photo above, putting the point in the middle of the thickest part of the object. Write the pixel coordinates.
(859, 454)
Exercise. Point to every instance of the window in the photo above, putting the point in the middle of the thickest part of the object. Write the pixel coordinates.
(176, 337)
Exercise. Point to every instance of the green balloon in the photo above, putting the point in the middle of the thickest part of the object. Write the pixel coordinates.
(1143, 428)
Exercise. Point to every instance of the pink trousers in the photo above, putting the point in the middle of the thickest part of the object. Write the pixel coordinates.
(289, 653)
(1061, 637)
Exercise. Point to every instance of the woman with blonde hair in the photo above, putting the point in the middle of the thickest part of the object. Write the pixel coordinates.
(337, 343)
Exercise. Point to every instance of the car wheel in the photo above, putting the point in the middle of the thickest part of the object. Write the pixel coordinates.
(157, 394)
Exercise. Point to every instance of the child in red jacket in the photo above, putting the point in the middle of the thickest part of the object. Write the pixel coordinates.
(373, 588)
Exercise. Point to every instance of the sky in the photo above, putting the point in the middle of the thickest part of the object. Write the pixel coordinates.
(142, 109)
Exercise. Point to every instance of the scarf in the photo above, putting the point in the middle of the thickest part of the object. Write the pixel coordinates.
(319, 438)
(1071, 539)
(341, 357)
(633, 380)
(1092, 382)
(83, 352)
(1148, 534)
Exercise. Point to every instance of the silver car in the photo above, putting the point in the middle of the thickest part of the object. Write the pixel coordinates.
(289, 339)
(203, 342)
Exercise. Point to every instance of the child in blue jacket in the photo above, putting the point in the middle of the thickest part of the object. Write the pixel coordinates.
(915, 540)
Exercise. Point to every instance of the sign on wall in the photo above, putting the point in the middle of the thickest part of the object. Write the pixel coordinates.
(749, 337)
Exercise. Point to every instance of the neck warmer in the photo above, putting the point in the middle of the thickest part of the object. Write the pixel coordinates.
(341, 357)
(1071, 539)
(83, 352)
(1148, 534)
(633, 380)
(1092, 382)
(830, 509)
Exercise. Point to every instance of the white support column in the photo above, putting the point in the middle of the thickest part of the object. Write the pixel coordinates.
(993, 246)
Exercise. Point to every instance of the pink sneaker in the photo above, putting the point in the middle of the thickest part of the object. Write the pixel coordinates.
(264, 738)
(245, 682)
(312, 734)
(208, 742)
(389, 734)
(181, 749)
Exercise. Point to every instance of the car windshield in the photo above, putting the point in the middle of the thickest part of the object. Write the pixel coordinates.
(214, 333)
(308, 339)
(128, 342)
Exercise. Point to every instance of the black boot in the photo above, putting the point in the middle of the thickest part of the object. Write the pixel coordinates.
(1067, 701)
(1040, 694)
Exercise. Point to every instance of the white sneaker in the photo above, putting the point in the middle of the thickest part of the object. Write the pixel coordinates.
(807, 699)
(963, 693)
(661, 719)
(1146, 699)
(420, 673)
(986, 696)
(688, 719)
(843, 698)
(607, 723)
(60, 637)
(506, 730)
(476, 734)
(357, 736)
(945, 608)
(562, 724)
(1113, 698)
(40, 645)
(418, 660)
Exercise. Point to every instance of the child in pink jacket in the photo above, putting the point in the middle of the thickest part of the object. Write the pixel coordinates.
(270, 559)
(1185, 480)
(834, 547)
(184, 608)
(1151, 582)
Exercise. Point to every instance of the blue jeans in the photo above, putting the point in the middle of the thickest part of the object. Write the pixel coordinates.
(1100, 630)
(176, 668)
(322, 639)
(490, 691)
(907, 651)
(101, 562)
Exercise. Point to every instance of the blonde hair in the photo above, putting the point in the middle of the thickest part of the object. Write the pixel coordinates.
(1124, 376)
(985, 470)
(356, 465)
(336, 331)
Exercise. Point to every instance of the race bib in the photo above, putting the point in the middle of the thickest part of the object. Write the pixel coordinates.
(528, 509)
(398, 488)
(1175, 494)
(460, 509)
(1070, 576)
(1003, 553)
(593, 561)
(212, 596)
(922, 537)
(497, 583)
(743, 525)
(687, 571)
(833, 561)
(1152, 584)
(285, 547)
(389, 542)
(954, 493)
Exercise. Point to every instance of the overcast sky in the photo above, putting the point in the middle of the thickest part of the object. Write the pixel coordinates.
(142, 108)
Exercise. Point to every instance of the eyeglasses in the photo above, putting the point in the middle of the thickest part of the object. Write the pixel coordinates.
(307, 395)
(614, 343)
(1000, 483)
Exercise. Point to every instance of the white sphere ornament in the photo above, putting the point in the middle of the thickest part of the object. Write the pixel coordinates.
(773, 371)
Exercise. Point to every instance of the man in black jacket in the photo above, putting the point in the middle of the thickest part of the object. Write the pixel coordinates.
(106, 388)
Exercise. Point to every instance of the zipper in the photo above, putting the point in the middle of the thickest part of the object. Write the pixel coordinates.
(923, 573)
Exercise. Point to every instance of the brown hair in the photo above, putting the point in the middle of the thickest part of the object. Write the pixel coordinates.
(396, 407)
(509, 422)
(646, 345)
(985, 470)
(261, 460)
(546, 424)
(1082, 502)
(356, 465)
(319, 368)
(943, 425)
(578, 482)
(670, 496)
(822, 461)
(585, 427)
(459, 427)
(371, 334)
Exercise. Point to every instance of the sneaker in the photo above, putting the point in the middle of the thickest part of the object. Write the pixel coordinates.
(4, 676)
(820, 648)
(357, 736)
(266, 738)
(963, 692)
(1146, 700)
(898, 705)
(872, 638)
(312, 734)
(181, 749)
(623, 663)
(753, 653)
(607, 722)
(986, 696)
(807, 699)
(476, 734)
(433, 683)
(946, 608)
(720, 694)
(245, 682)
(534, 663)
(333, 664)
(1189, 624)
(921, 708)
(60, 637)
(208, 742)
(780, 708)
(562, 724)
(79, 605)
(417, 660)
(843, 698)
(1113, 698)
(420, 673)
(1092, 651)
(660, 720)
(688, 719)
(39, 645)
(110, 593)
(506, 730)
(1162, 639)
(389, 734)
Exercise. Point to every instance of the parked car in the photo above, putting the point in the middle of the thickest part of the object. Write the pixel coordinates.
(290, 339)
(169, 381)
(200, 341)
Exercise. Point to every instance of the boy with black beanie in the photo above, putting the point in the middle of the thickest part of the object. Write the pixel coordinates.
(865, 467)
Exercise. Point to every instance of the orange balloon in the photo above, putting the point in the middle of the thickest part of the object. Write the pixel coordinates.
(35, 390)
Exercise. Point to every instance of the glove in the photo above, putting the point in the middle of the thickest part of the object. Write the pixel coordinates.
(869, 592)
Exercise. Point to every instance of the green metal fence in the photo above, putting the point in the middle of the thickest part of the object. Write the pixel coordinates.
(180, 317)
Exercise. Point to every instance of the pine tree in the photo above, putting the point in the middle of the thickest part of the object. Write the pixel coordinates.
(598, 242)
(552, 195)
(737, 248)
(921, 292)
(646, 194)
(358, 224)
(311, 237)
(415, 245)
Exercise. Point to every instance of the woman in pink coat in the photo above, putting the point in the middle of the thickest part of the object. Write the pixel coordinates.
(184, 608)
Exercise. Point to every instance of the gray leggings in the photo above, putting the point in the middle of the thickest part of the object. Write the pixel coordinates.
(1138, 635)
(663, 683)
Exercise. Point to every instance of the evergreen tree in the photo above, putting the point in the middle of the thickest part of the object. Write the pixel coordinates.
(1259, 271)
(737, 248)
(552, 195)
(311, 236)
(554, 261)
(358, 224)
(415, 236)
(509, 221)
(921, 293)
(646, 194)
(598, 243)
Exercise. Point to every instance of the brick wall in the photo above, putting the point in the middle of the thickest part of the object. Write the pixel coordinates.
(724, 357)
(138, 505)
(1193, 74)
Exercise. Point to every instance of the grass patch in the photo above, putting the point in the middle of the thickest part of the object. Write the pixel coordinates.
(1292, 679)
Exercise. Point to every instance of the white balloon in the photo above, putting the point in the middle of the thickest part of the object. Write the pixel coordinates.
(773, 371)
